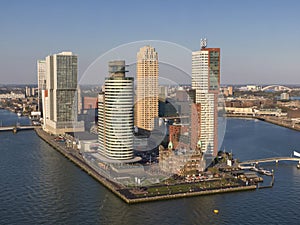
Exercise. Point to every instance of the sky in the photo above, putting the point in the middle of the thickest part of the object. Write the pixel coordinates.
(259, 39)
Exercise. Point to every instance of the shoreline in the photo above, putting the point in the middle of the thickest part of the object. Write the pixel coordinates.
(115, 188)
(268, 119)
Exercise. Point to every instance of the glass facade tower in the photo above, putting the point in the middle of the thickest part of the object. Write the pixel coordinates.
(61, 93)
(206, 83)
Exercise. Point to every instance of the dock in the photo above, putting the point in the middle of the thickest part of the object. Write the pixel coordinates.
(121, 191)
(266, 160)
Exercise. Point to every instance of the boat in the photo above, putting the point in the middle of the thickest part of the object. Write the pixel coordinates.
(19, 114)
(268, 173)
(254, 169)
(297, 154)
(15, 130)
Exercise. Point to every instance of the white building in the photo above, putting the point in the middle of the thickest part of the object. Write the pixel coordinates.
(253, 88)
(12, 95)
(60, 95)
(41, 75)
(115, 114)
(284, 96)
(206, 82)
(27, 91)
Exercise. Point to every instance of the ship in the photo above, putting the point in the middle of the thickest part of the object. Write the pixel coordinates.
(15, 130)
(297, 154)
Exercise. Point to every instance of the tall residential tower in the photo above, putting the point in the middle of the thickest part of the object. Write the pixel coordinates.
(115, 114)
(41, 75)
(147, 88)
(206, 83)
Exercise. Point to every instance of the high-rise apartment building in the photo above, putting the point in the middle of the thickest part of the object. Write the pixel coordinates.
(79, 100)
(60, 95)
(147, 88)
(41, 75)
(27, 91)
(206, 83)
(115, 114)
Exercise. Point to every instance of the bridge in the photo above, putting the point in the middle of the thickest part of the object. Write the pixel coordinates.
(277, 87)
(11, 128)
(274, 159)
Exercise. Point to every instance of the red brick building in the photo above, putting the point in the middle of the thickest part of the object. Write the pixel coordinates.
(178, 135)
(90, 102)
(195, 124)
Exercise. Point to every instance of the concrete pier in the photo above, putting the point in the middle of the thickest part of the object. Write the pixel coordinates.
(117, 189)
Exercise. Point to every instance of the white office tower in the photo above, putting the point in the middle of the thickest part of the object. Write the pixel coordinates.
(60, 96)
(206, 82)
(41, 74)
(115, 114)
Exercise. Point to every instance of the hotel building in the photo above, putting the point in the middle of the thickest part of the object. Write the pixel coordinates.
(206, 83)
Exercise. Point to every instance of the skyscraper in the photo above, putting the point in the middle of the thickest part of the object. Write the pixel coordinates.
(27, 91)
(60, 112)
(206, 82)
(41, 75)
(147, 88)
(115, 114)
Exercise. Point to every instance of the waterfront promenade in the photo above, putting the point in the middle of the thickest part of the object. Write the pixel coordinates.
(273, 159)
(75, 157)
(283, 122)
(126, 193)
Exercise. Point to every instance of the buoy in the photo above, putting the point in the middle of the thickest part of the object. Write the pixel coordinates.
(216, 211)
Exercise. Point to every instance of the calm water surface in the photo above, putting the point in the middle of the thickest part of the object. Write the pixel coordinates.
(40, 186)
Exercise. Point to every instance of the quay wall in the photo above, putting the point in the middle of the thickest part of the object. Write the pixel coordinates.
(192, 194)
(276, 121)
(114, 188)
(106, 183)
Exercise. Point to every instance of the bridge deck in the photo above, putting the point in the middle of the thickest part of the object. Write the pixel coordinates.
(29, 127)
(274, 159)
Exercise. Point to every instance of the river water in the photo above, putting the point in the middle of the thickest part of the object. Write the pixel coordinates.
(39, 186)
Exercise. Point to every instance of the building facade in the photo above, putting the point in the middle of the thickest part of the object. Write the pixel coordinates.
(146, 107)
(60, 96)
(41, 75)
(206, 83)
(178, 137)
(90, 102)
(115, 114)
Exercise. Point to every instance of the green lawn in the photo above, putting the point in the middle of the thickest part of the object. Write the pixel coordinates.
(187, 187)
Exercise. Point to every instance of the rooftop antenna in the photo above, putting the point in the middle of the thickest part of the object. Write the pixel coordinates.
(203, 43)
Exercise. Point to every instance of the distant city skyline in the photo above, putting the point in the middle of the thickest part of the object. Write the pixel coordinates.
(259, 39)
